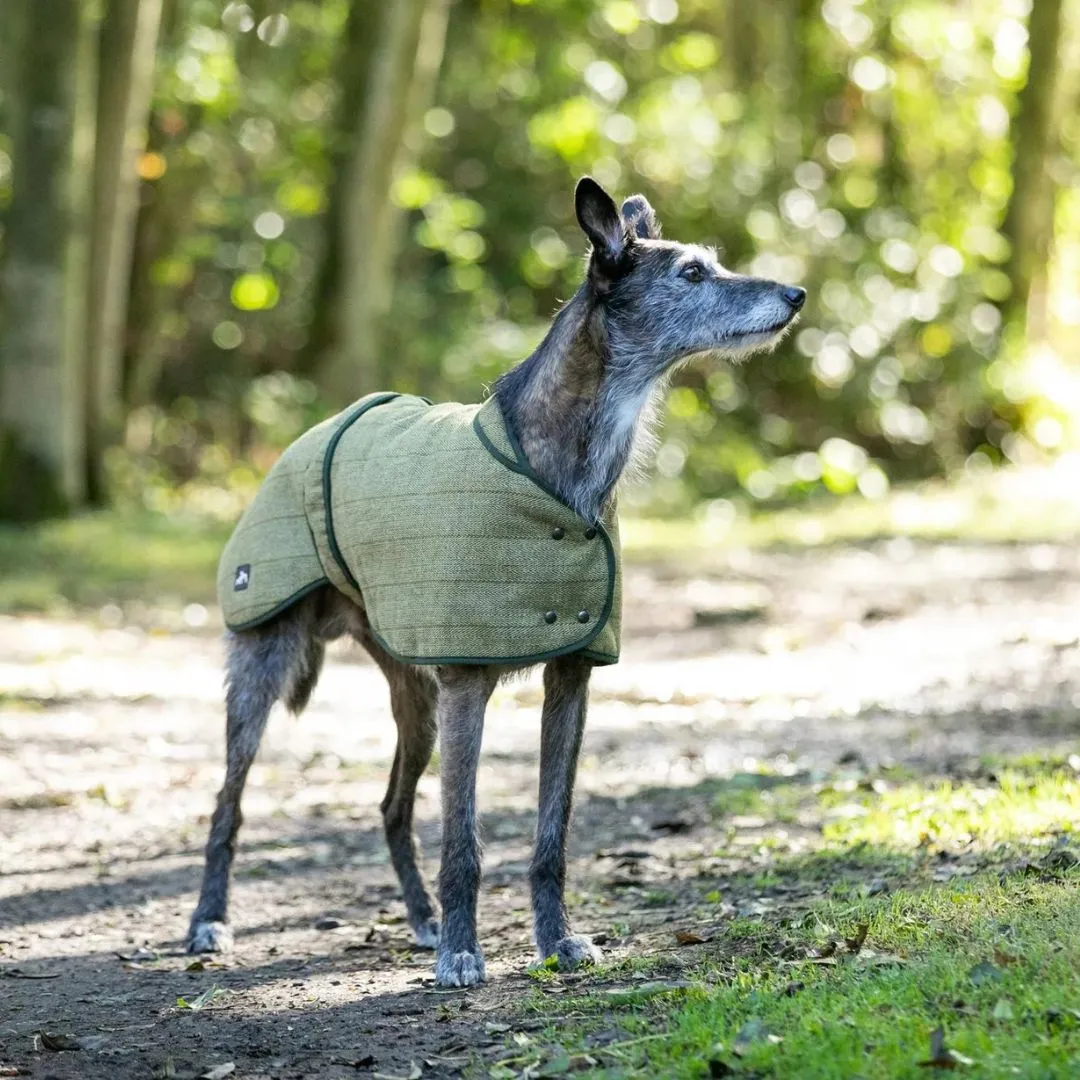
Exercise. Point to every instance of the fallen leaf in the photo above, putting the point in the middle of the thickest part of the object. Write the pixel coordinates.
(557, 1066)
(688, 937)
(855, 943)
(870, 958)
(496, 1028)
(1003, 1010)
(57, 1041)
(210, 994)
(941, 1057)
(753, 1031)
(219, 1072)
(984, 972)
(414, 1073)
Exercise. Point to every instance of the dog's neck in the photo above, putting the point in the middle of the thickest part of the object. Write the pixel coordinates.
(580, 415)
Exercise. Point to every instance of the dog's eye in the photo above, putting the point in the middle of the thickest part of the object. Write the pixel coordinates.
(692, 273)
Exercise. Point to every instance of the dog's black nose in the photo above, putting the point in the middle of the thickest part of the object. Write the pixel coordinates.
(795, 296)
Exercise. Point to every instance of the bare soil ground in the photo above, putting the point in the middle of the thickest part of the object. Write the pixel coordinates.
(928, 656)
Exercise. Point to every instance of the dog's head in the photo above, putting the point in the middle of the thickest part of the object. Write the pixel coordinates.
(664, 301)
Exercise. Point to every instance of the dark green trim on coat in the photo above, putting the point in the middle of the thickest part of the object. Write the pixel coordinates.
(502, 433)
(285, 604)
(520, 464)
(328, 461)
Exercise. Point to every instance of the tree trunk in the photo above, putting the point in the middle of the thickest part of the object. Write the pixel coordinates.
(42, 289)
(164, 208)
(13, 17)
(128, 40)
(390, 58)
(1030, 217)
(741, 36)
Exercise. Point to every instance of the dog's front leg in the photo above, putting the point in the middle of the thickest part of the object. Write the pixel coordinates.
(566, 690)
(463, 697)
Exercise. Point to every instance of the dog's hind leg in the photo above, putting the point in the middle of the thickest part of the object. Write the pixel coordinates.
(412, 697)
(566, 687)
(280, 660)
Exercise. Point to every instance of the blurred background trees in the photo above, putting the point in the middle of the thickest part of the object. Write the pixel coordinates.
(223, 220)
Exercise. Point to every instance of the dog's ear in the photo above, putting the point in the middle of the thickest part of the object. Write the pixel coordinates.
(602, 223)
(640, 218)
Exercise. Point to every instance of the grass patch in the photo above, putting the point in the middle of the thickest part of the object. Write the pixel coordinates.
(993, 964)
(108, 557)
(907, 906)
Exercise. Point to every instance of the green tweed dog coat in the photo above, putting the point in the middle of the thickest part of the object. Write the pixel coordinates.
(431, 516)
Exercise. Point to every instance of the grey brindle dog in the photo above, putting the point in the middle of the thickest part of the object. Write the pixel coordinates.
(580, 406)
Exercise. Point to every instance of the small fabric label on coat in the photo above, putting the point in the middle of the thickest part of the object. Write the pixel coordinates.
(242, 578)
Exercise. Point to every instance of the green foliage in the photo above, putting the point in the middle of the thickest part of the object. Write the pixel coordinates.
(860, 147)
(106, 559)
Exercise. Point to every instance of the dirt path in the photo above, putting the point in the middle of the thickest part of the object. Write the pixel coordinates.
(110, 747)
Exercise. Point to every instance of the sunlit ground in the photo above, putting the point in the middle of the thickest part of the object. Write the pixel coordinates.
(868, 755)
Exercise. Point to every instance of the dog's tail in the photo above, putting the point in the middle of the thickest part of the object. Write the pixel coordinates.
(307, 675)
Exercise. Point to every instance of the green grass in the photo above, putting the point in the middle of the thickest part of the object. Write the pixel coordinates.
(917, 905)
(108, 557)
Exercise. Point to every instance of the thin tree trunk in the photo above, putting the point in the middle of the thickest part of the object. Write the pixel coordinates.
(13, 16)
(742, 42)
(389, 60)
(43, 286)
(164, 206)
(1029, 220)
(128, 40)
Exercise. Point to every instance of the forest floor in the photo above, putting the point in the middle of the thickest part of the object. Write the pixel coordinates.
(829, 803)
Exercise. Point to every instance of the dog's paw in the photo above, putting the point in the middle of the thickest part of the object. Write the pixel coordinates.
(459, 969)
(204, 937)
(426, 934)
(575, 951)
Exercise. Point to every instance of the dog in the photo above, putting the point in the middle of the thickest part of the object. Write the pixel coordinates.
(563, 426)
